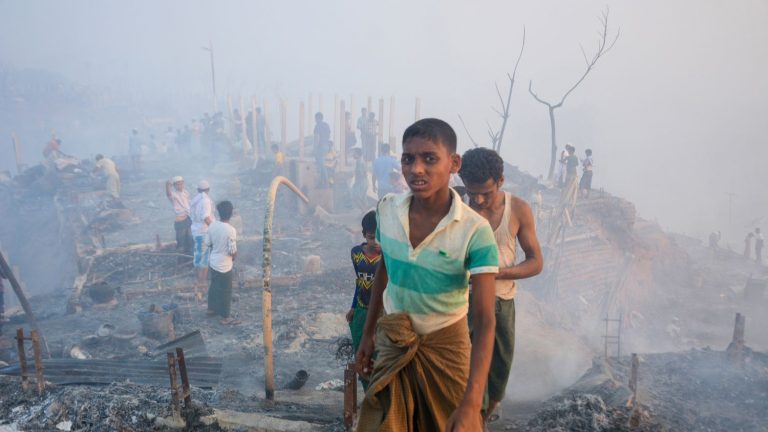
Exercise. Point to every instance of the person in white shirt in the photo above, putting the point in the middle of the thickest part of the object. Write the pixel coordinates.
(201, 213)
(179, 198)
(222, 241)
(109, 169)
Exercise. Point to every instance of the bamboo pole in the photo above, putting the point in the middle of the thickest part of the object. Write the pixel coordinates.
(38, 363)
(380, 136)
(176, 403)
(267, 141)
(336, 118)
(16, 152)
(352, 120)
(230, 116)
(22, 357)
(243, 126)
(5, 269)
(283, 125)
(266, 303)
(310, 112)
(255, 140)
(343, 133)
(370, 104)
(320, 103)
(392, 123)
(301, 130)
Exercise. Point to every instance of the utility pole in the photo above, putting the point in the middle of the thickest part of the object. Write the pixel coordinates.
(731, 196)
(209, 48)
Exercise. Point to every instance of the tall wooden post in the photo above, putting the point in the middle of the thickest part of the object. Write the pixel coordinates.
(320, 104)
(353, 121)
(283, 125)
(38, 363)
(417, 111)
(301, 130)
(16, 152)
(267, 141)
(310, 113)
(243, 126)
(336, 118)
(342, 133)
(392, 143)
(176, 403)
(255, 138)
(380, 136)
(229, 116)
(370, 104)
(22, 357)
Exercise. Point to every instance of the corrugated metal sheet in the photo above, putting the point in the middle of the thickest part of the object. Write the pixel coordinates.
(192, 344)
(204, 372)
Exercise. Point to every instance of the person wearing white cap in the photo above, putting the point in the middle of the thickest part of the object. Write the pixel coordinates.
(201, 213)
(179, 198)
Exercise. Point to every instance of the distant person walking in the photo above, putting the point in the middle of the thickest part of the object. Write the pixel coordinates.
(560, 169)
(759, 243)
(585, 184)
(182, 224)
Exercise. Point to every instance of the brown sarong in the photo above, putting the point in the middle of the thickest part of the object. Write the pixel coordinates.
(417, 381)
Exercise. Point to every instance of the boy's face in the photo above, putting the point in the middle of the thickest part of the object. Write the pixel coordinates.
(370, 240)
(484, 195)
(427, 166)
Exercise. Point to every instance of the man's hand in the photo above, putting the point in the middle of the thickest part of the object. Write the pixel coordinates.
(465, 418)
(364, 358)
(350, 315)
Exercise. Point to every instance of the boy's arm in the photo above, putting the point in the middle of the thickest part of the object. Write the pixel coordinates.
(526, 235)
(364, 357)
(467, 414)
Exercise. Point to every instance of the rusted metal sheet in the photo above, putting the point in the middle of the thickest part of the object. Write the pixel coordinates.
(204, 372)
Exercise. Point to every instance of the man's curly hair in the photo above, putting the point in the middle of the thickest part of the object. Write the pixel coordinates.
(480, 164)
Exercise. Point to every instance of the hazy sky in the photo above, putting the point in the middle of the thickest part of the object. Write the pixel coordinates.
(675, 114)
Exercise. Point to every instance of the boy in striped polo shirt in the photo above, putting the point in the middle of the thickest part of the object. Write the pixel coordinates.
(427, 375)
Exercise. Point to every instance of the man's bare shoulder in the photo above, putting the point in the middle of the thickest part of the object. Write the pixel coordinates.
(520, 207)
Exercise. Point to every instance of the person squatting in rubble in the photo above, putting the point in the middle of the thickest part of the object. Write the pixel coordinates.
(365, 258)
(109, 169)
(511, 218)
(182, 224)
(427, 376)
(222, 241)
(201, 213)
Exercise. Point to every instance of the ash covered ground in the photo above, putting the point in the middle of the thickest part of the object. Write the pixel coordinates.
(674, 295)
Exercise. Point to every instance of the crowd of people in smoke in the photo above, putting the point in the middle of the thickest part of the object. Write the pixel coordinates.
(409, 269)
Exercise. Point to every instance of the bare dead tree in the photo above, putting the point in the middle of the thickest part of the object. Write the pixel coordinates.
(603, 46)
(497, 135)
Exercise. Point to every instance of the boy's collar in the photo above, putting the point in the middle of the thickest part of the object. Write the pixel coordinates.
(456, 212)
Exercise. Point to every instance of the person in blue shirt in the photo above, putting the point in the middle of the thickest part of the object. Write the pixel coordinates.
(382, 167)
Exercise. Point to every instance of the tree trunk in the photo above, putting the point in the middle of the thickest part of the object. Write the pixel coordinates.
(553, 156)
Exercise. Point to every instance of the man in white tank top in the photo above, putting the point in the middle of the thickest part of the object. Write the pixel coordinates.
(512, 221)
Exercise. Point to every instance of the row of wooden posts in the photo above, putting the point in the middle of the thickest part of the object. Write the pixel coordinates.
(305, 123)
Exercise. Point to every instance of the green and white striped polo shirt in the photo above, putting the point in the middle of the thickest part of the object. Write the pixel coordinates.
(430, 282)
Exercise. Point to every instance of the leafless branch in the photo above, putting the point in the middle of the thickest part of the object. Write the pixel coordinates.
(467, 131)
(535, 96)
(602, 48)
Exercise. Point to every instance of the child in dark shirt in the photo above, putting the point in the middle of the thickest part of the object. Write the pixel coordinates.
(365, 259)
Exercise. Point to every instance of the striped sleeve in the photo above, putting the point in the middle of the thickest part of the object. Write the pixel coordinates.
(482, 252)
